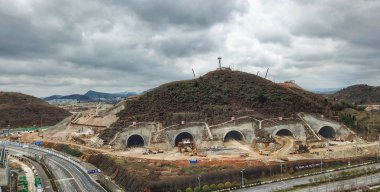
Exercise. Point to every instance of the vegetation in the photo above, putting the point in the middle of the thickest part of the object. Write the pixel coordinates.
(19, 110)
(216, 97)
(359, 94)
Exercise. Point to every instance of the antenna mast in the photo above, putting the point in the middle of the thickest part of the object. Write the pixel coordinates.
(266, 73)
(220, 62)
(193, 72)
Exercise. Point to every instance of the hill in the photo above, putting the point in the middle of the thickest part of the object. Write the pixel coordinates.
(359, 94)
(95, 95)
(78, 97)
(216, 97)
(19, 110)
(92, 96)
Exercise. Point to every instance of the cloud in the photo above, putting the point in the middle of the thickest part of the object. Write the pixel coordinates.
(49, 47)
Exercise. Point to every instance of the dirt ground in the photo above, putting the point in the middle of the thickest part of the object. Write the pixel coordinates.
(28, 173)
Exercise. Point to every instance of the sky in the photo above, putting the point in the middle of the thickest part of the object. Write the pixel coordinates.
(69, 46)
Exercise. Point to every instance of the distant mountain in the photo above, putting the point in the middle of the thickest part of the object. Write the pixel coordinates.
(19, 110)
(360, 94)
(107, 96)
(91, 96)
(52, 97)
(325, 91)
(77, 97)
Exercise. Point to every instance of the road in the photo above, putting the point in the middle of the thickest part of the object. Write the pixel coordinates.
(299, 181)
(44, 178)
(68, 175)
(346, 184)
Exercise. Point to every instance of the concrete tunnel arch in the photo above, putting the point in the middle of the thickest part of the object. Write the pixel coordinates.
(236, 135)
(283, 132)
(183, 135)
(135, 141)
(327, 132)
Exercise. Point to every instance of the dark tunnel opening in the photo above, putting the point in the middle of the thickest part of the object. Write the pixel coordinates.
(284, 132)
(233, 135)
(135, 141)
(327, 132)
(181, 136)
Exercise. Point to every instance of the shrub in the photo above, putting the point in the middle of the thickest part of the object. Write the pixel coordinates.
(197, 189)
(228, 184)
(220, 186)
(189, 189)
(179, 190)
(213, 187)
(205, 188)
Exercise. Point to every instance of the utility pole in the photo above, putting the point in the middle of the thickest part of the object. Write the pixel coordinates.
(242, 177)
(378, 149)
(321, 165)
(199, 181)
(281, 170)
(266, 73)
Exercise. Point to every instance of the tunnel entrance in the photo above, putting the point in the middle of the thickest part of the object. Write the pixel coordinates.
(233, 135)
(181, 136)
(135, 141)
(327, 132)
(284, 132)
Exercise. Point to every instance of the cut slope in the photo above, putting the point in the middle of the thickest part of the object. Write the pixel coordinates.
(360, 94)
(19, 110)
(216, 97)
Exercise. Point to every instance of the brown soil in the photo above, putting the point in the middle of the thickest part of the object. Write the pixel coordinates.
(19, 110)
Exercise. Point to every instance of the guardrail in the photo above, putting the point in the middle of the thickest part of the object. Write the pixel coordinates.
(48, 152)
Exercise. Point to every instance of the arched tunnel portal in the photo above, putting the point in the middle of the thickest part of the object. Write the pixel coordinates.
(327, 132)
(233, 135)
(284, 132)
(135, 141)
(181, 136)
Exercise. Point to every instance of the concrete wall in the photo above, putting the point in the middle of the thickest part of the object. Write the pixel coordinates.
(297, 130)
(198, 132)
(144, 130)
(247, 129)
(316, 124)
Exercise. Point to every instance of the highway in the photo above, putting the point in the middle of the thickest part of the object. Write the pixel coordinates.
(305, 180)
(44, 178)
(69, 176)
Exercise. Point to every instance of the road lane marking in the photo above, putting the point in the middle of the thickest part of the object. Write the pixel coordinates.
(66, 179)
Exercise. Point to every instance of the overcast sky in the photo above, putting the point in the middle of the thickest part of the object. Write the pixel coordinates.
(71, 46)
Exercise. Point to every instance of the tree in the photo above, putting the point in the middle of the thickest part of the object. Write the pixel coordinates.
(205, 188)
(213, 187)
(189, 189)
(228, 184)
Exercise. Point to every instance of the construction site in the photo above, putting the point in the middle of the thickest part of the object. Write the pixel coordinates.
(154, 135)
(305, 136)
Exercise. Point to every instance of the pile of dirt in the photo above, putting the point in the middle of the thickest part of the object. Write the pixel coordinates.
(215, 98)
(19, 110)
(359, 94)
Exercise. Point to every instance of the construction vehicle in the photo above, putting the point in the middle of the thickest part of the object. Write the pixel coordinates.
(187, 145)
